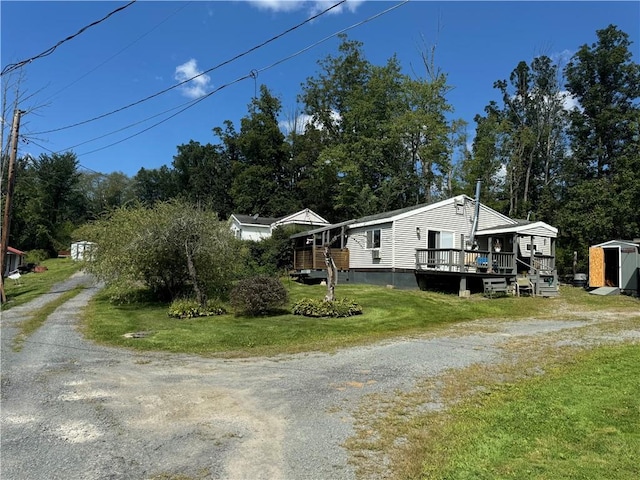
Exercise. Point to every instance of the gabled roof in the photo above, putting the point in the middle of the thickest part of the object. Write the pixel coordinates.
(519, 226)
(254, 219)
(303, 217)
(416, 209)
(390, 216)
(618, 242)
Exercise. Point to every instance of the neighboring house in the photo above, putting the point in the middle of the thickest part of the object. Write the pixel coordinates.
(255, 227)
(82, 250)
(432, 245)
(13, 260)
(615, 263)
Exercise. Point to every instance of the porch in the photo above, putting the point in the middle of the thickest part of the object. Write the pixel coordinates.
(481, 262)
(312, 258)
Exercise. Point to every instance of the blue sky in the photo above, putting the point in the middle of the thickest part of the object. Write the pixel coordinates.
(151, 45)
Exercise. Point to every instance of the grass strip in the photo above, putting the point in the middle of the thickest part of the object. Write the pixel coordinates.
(32, 285)
(28, 326)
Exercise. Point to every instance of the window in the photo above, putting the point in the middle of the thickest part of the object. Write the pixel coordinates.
(373, 238)
(535, 247)
(437, 239)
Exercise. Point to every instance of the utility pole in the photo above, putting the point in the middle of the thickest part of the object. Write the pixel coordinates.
(6, 221)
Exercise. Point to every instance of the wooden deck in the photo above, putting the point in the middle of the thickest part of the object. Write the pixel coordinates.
(465, 261)
(480, 262)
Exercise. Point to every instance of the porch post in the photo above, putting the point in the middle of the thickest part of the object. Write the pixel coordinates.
(515, 249)
(531, 251)
(462, 261)
(463, 279)
(490, 256)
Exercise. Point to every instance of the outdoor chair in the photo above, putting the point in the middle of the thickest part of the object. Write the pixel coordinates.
(524, 286)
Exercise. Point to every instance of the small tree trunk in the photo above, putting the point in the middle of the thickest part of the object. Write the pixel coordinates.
(332, 274)
(201, 298)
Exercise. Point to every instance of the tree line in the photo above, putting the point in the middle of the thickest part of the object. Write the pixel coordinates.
(370, 138)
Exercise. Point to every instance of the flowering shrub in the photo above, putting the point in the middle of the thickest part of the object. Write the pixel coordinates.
(310, 307)
(189, 308)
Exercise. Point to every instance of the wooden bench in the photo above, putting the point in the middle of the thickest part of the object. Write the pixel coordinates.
(494, 286)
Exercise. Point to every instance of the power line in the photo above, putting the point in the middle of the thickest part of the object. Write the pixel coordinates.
(251, 74)
(14, 66)
(226, 62)
(182, 7)
(129, 126)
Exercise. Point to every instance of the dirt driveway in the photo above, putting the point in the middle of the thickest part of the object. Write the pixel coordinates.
(74, 410)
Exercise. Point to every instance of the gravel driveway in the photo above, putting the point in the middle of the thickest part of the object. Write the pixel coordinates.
(74, 410)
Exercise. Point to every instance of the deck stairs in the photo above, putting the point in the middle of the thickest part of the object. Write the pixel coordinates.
(544, 284)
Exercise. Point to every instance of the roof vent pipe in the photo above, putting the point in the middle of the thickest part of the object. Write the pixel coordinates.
(474, 227)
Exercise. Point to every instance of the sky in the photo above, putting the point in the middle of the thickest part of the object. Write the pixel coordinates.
(150, 46)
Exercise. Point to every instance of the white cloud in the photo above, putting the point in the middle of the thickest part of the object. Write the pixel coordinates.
(300, 122)
(561, 58)
(314, 6)
(569, 102)
(196, 87)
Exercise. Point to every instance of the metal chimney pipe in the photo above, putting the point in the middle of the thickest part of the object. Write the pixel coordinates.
(474, 227)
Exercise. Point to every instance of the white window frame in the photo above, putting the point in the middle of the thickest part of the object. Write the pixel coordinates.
(370, 236)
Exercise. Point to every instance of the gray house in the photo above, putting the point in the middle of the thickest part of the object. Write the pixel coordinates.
(454, 242)
(615, 263)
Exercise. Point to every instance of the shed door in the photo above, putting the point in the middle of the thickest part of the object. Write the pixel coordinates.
(596, 267)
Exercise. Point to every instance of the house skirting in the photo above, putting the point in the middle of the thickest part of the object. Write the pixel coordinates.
(398, 278)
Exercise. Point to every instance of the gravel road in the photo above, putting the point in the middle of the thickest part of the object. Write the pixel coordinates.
(74, 410)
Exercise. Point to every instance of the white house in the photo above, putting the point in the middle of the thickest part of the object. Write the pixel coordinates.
(255, 227)
(450, 240)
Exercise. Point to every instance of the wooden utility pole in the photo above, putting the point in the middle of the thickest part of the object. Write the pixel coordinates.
(6, 220)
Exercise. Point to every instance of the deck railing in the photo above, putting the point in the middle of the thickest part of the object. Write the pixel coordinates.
(454, 260)
(312, 258)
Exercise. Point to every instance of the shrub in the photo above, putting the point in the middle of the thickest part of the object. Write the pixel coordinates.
(258, 295)
(36, 256)
(310, 307)
(190, 308)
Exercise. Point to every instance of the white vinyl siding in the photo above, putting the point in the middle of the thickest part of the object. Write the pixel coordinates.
(542, 244)
(360, 255)
(455, 220)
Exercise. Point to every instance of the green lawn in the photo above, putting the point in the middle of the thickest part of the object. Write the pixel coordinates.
(579, 421)
(33, 285)
(387, 313)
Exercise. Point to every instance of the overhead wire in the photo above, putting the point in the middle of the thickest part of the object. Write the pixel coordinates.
(252, 74)
(226, 62)
(182, 7)
(14, 66)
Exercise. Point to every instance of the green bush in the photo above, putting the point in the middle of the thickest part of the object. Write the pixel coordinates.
(258, 295)
(310, 307)
(190, 308)
(36, 256)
